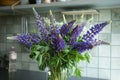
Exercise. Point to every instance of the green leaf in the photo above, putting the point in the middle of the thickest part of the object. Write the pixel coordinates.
(66, 50)
(36, 54)
(82, 57)
(38, 47)
(87, 56)
(32, 55)
(40, 59)
(46, 48)
(77, 72)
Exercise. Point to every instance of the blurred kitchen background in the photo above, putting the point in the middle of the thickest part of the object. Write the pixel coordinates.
(105, 60)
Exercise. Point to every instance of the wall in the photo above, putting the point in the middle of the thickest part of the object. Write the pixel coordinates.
(104, 61)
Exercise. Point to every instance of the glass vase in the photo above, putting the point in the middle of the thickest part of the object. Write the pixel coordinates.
(58, 75)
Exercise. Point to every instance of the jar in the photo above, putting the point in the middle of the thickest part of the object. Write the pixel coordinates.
(46, 1)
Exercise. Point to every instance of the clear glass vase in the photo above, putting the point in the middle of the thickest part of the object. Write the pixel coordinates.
(58, 75)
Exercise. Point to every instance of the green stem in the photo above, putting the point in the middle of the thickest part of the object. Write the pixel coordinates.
(56, 74)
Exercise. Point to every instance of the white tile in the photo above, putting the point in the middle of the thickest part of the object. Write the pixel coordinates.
(115, 75)
(116, 14)
(2, 47)
(115, 64)
(104, 74)
(104, 15)
(18, 65)
(83, 71)
(106, 29)
(25, 65)
(31, 19)
(25, 57)
(92, 72)
(82, 64)
(104, 51)
(34, 67)
(93, 62)
(94, 51)
(115, 51)
(105, 37)
(115, 39)
(33, 60)
(116, 27)
(18, 56)
(95, 17)
(104, 63)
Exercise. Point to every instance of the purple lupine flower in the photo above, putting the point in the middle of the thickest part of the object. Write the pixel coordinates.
(54, 32)
(57, 41)
(35, 38)
(82, 46)
(66, 28)
(28, 39)
(52, 19)
(75, 33)
(94, 30)
(99, 42)
(60, 43)
(41, 26)
(25, 39)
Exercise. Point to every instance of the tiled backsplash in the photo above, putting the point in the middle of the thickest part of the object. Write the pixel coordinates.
(105, 60)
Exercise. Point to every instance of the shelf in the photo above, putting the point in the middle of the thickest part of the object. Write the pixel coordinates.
(61, 6)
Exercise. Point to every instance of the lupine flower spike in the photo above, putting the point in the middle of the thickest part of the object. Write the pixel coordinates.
(75, 33)
(66, 28)
(94, 31)
(41, 25)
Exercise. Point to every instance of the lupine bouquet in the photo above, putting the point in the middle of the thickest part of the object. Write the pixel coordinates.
(60, 48)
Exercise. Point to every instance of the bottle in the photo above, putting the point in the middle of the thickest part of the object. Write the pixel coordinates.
(12, 59)
(12, 54)
(32, 1)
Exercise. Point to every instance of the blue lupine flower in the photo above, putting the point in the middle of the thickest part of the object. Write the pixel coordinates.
(28, 39)
(35, 38)
(93, 31)
(54, 33)
(25, 39)
(58, 43)
(66, 28)
(52, 19)
(41, 26)
(75, 33)
(82, 46)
